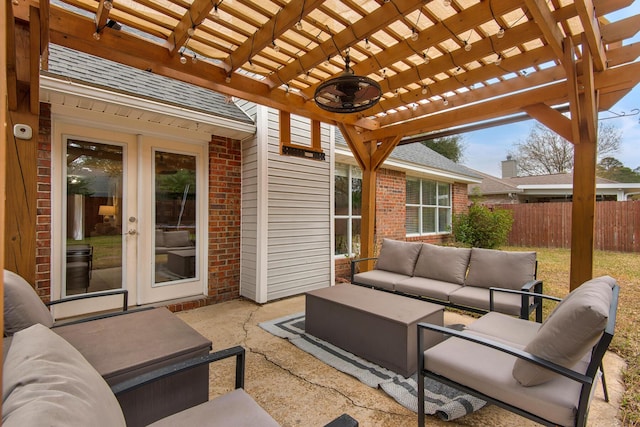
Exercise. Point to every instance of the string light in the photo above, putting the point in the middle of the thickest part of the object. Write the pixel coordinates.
(228, 79)
(367, 45)
(414, 35)
(96, 35)
(445, 101)
(216, 14)
(498, 59)
(424, 89)
(183, 59)
(275, 46)
(107, 4)
(194, 59)
(500, 33)
(299, 25)
(191, 31)
(467, 46)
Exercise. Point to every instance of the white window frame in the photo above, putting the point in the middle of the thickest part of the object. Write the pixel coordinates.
(349, 217)
(437, 207)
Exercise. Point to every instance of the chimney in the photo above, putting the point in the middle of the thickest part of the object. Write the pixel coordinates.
(509, 167)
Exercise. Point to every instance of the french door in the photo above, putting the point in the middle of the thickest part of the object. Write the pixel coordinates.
(132, 209)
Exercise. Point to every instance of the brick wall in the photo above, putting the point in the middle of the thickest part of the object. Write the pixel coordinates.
(225, 158)
(391, 214)
(43, 204)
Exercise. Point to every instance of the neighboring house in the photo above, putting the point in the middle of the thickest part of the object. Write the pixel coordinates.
(542, 188)
(165, 164)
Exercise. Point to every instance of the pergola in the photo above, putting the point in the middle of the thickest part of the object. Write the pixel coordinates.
(441, 64)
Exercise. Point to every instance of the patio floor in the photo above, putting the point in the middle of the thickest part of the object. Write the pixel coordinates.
(299, 390)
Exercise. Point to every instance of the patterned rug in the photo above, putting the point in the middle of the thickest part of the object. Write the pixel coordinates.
(440, 400)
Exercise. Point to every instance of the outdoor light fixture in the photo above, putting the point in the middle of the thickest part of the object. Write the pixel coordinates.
(347, 93)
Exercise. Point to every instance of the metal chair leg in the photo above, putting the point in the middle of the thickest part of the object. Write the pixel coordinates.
(604, 383)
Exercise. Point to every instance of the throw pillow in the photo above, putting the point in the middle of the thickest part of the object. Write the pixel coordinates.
(398, 257)
(564, 338)
(443, 263)
(22, 305)
(47, 381)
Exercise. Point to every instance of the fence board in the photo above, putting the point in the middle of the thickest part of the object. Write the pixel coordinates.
(548, 225)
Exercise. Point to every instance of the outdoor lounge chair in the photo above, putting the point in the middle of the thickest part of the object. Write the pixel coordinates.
(545, 372)
(46, 378)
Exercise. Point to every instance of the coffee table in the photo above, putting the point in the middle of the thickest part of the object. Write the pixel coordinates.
(182, 262)
(375, 325)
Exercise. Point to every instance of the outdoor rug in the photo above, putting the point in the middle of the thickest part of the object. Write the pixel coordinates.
(441, 400)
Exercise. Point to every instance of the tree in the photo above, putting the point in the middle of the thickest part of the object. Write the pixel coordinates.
(613, 169)
(545, 152)
(451, 147)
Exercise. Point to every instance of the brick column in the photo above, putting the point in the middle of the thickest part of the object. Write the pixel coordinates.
(43, 204)
(225, 179)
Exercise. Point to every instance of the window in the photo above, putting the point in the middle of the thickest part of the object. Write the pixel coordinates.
(348, 209)
(428, 207)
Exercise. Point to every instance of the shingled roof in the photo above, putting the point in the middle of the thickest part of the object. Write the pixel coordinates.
(91, 70)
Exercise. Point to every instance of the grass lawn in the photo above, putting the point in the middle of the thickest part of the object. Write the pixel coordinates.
(553, 270)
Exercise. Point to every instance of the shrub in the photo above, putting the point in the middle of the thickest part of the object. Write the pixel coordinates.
(482, 227)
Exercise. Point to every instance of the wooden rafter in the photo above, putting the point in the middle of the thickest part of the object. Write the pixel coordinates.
(592, 35)
(548, 25)
(34, 60)
(375, 21)
(620, 30)
(102, 15)
(196, 13)
(11, 66)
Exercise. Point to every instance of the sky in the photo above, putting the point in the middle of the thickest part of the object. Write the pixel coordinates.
(486, 149)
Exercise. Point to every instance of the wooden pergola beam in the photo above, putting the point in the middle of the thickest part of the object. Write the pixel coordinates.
(288, 16)
(620, 30)
(196, 13)
(548, 25)
(378, 19)
(10, 70)
(34, 60)
(592, 36)
(102, 15)
(551, 118)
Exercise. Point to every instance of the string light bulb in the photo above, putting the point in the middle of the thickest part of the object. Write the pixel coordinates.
(275, 46)
(216, 13)
(500, 33)
(467, 46)
(227, 79)
(183, 59)
(367, 45)
(414, 35)
(498, 60)
(299, 25)
(424, 90)
(445, 102)
(191, 31)
(107, 5)
(96, 35)
(194, 59)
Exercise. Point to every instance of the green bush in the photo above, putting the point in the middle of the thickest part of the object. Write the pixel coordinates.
(482, 227)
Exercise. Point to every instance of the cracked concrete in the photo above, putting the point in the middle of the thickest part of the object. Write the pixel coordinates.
(298, 390)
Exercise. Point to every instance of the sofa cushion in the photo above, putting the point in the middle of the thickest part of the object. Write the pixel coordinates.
(443, 263)
(398, 257)
(176, 239)
(234, 409)
(429, 288)
(47, 381)
(500, 269)
(573, 329)
(379, 278)
(22, 305)
(478, 297)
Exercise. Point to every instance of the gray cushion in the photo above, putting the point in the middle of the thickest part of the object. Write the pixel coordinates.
(478, 297)
(48, 382)
(234, 409)
(398, 257)
(501, 269)
(443, 263)
(22, 306)
(573, 329)
(176, 239)
(379, 279)
(427, 287)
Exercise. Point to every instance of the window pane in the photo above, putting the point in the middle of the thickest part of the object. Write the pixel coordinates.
(444, 198)
(356, 196)
(413, 192)
(342, 242)
(428, 193)
(444, 220)
(342, 195)
(428, 220)
(412, 221)
(355, 237)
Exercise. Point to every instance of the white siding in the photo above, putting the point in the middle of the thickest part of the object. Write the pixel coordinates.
(286, 212)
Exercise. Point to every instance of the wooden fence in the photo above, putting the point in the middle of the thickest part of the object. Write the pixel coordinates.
(549, 225)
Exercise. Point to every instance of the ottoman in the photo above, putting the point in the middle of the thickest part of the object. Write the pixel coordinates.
(375, 325)
(125, 346)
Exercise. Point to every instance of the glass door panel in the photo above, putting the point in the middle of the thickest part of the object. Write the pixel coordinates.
(175, 217)
(94, 246)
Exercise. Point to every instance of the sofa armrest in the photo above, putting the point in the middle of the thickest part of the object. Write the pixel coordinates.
(124, 292)
(499, 346)
(175, 368)
(530, 289)
(355, 261)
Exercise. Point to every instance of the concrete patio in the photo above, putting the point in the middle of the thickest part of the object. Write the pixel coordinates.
(299, 390)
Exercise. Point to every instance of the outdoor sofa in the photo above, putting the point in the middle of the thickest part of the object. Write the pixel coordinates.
(173, 240)
(545, 372)
(456, 277)
(47, 380)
